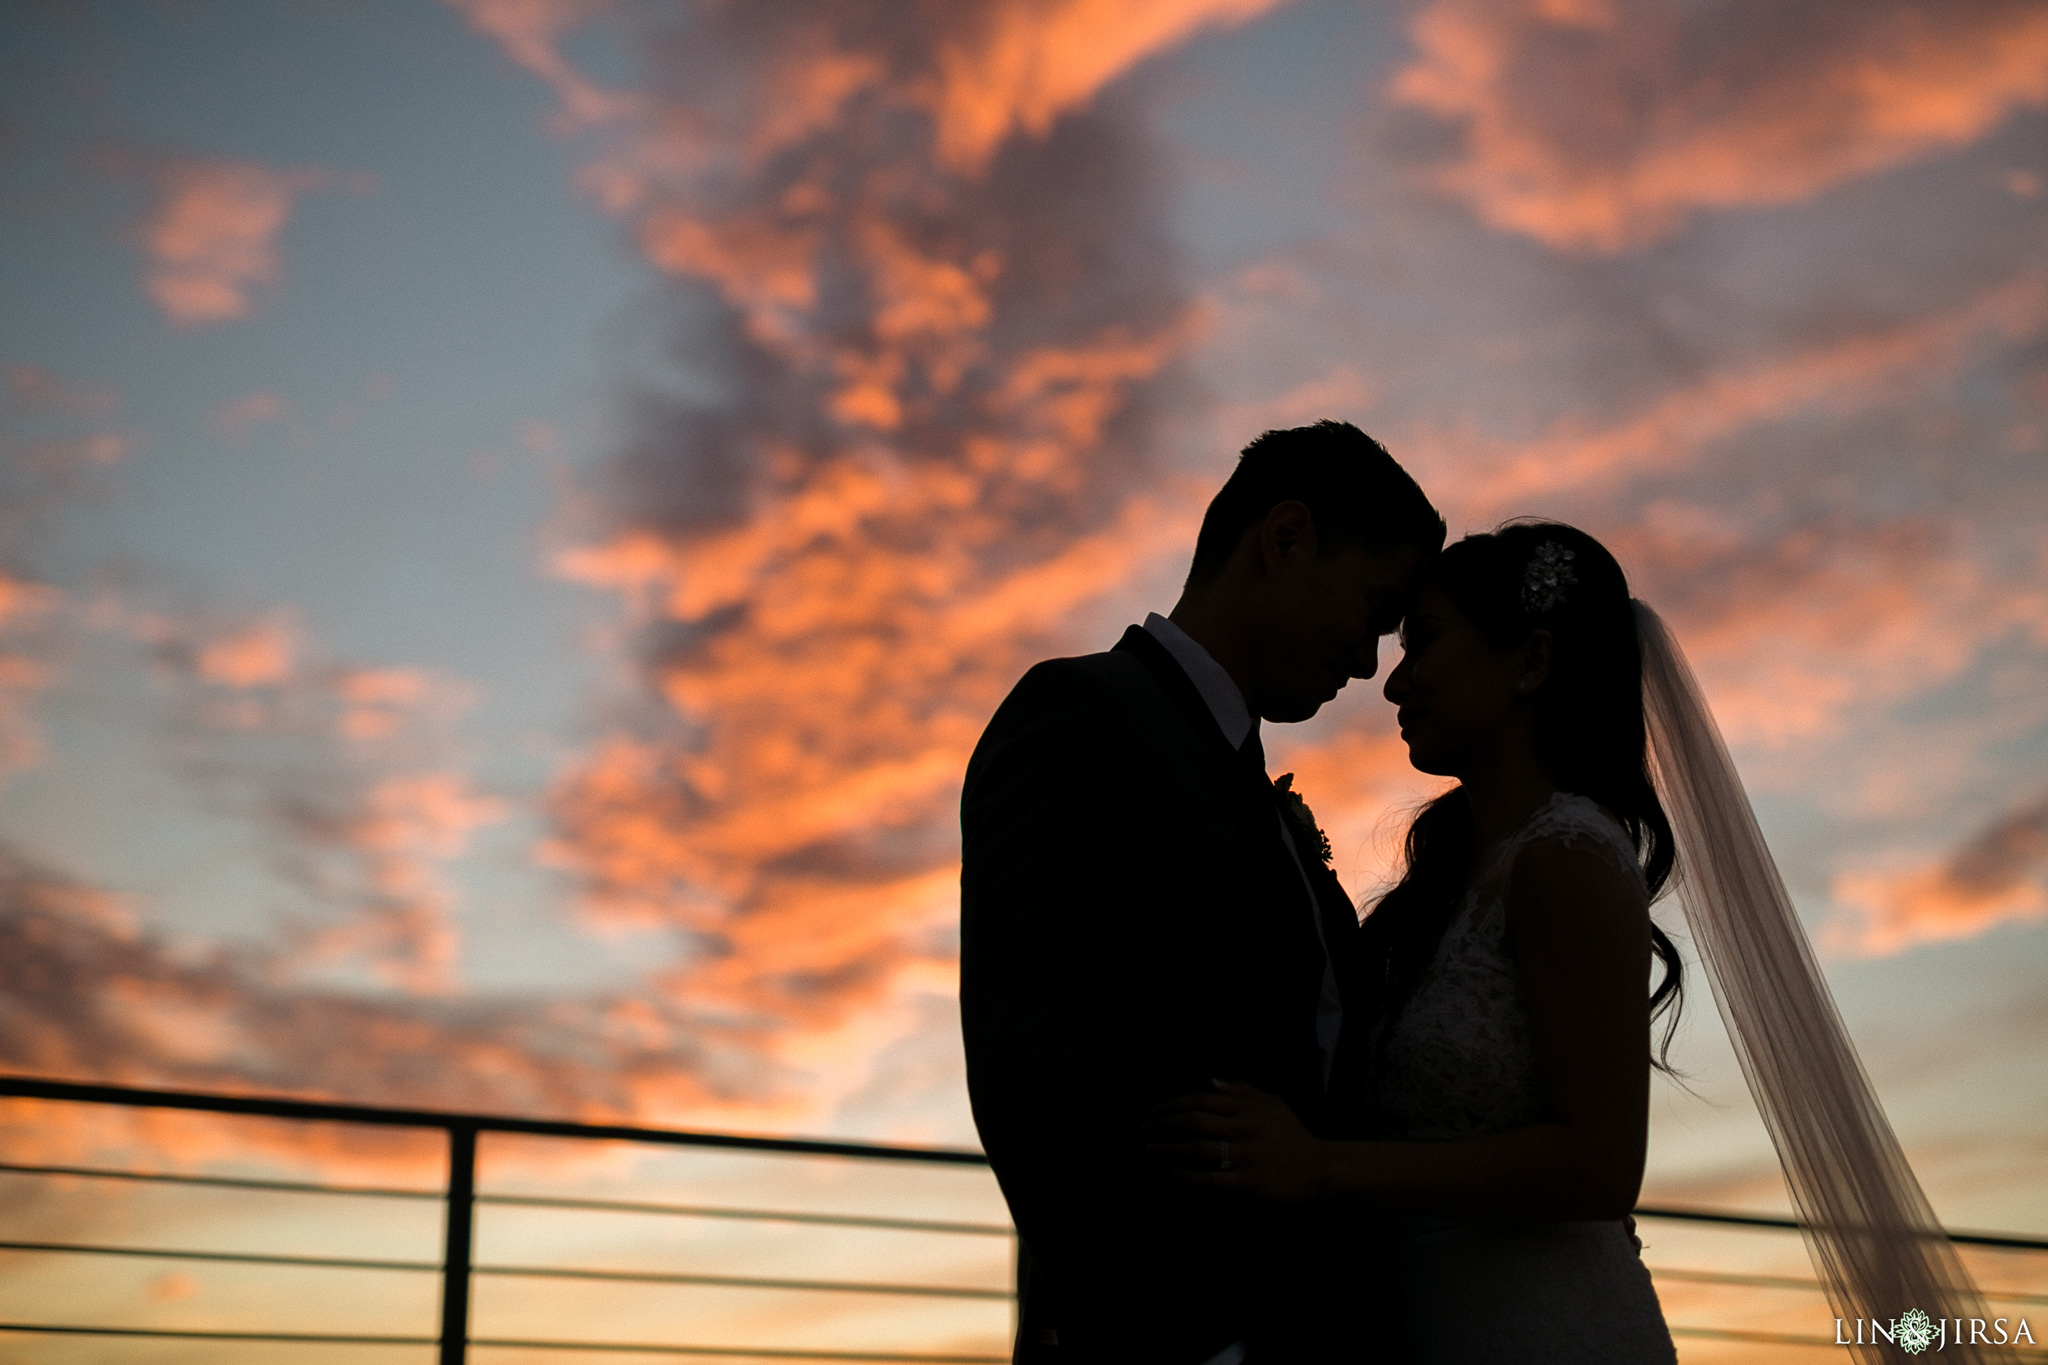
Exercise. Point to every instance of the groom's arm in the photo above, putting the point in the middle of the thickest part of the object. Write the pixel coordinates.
(1065, 1048)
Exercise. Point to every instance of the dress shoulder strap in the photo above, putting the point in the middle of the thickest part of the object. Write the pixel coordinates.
(1577, 822)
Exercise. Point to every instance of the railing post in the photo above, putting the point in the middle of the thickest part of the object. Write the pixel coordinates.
(455, 1255)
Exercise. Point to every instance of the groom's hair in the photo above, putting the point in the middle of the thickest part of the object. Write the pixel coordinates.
(1351, 486)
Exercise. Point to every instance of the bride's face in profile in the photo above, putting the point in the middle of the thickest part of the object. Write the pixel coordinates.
(1459, 696)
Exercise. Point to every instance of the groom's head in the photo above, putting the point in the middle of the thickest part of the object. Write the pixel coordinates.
(1307, 556)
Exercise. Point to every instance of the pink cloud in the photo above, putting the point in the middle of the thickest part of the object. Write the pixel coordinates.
(87, 992)
(399, 834)
(530, 31)
(234, 419)
(210, 237)
(1800, 633)
(1596, 126)
(1996, 878)
(38, 390)
(1867, 368)
(27, 668)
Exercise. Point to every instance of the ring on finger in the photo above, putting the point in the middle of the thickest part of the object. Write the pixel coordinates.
(1223, 1154)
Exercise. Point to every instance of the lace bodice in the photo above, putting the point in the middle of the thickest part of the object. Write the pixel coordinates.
(1460, 1060)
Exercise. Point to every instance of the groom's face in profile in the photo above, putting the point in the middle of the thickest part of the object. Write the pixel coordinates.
(1324, 609)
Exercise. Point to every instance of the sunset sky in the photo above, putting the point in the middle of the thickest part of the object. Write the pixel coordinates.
(515, 512)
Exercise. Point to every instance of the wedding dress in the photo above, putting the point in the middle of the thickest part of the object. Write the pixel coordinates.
(1459, 1061)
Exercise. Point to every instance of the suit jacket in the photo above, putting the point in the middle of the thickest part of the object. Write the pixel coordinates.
(1132, 924)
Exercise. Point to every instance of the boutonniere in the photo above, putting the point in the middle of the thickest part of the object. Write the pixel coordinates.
(1304, 818)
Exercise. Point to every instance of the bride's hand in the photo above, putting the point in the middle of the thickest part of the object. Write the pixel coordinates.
(1237, 1137)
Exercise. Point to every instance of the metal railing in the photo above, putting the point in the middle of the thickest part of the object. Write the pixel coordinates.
(458, 1268)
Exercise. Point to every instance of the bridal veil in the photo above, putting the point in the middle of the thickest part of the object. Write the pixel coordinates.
(1872, 1235)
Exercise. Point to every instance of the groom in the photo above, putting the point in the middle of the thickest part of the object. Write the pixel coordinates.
(1142, 910)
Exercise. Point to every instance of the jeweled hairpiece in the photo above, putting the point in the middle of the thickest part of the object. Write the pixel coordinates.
(1546, 578)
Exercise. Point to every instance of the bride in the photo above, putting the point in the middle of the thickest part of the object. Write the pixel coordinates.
(1511, 1054)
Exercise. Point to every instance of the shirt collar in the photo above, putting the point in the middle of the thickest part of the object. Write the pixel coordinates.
(1225, 702)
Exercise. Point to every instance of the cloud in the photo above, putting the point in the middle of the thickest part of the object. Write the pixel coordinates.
(234, 419)
(1797, 631)
(1868, 366)
(948, 319)
(86, 992)
(392, 840)
(1996, 878)
(346, 770)
(1592, 125)
(26, 668)
(1015, 68)
(41, 474)
(530, 32)
(251, 655)
(210, 236)
(37, 390)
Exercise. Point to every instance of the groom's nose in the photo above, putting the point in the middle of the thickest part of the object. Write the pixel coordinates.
(1365, 660)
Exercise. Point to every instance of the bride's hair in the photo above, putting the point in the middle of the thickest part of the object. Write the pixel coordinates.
(1589, 728)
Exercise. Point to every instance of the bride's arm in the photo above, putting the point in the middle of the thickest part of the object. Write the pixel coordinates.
(1579, 931)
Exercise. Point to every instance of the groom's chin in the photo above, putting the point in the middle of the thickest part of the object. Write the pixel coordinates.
(1290, 712)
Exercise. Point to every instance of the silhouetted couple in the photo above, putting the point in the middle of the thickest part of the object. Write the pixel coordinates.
(1233, 1122)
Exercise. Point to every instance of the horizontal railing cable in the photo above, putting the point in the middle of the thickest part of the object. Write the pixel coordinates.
(1759, 1220)
(198, 1334)
(459, 1197)
(1799, 1339)
(538, 1272)
(1748, 1281)
(222, 1257)
(733, 1352)
(846, 1220)
(510, 1344)
(316, 1111)
(225, 1182)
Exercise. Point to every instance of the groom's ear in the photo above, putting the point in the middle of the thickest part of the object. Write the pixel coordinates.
(1289, 530)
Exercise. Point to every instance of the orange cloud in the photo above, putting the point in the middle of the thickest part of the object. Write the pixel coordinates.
(1595, 126)
(255, 655)
(211, 236)
(1017, 67)
(1996, 878)
(949, 322)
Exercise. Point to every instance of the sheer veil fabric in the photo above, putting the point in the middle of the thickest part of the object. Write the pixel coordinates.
(1871, 1233)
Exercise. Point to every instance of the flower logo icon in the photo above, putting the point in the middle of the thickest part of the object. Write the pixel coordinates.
(1915, 1331)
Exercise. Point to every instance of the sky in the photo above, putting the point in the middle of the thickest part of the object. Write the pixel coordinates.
(515, 512)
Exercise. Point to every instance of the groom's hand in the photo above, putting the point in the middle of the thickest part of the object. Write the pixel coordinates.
(1238, 1137)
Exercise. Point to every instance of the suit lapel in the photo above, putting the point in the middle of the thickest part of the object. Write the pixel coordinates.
(1181, 691)
(1341, 936)
(1252, 794)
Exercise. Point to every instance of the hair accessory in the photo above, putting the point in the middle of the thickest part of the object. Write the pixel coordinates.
(1546, 578)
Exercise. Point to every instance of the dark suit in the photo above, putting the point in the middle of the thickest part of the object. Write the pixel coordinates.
(1133, 924)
